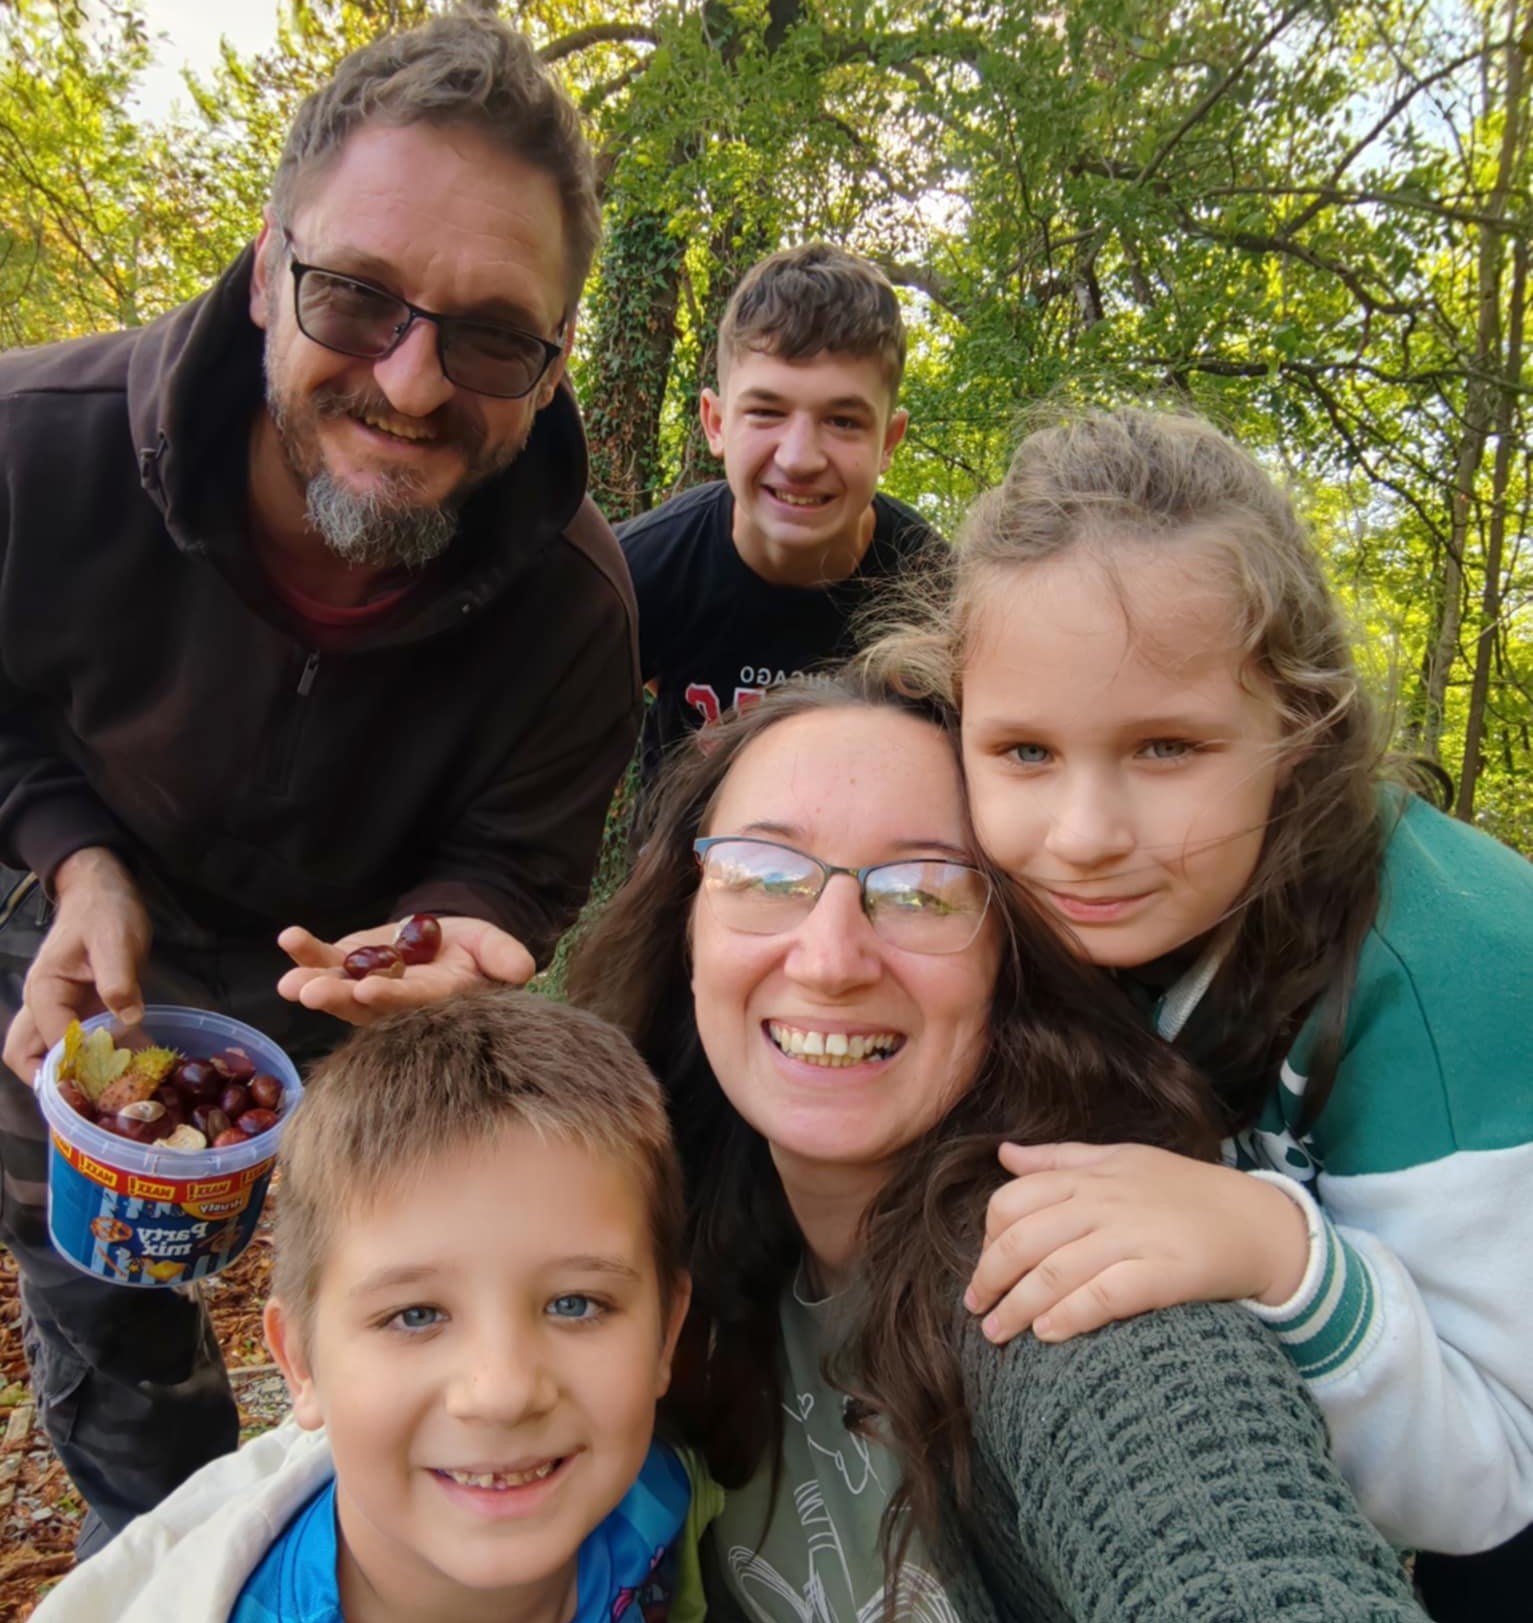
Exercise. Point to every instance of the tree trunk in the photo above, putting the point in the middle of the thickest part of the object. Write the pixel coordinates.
(634, 334)
(1499, 375)
(1484, 391)
(734, 246)
(1495, 546)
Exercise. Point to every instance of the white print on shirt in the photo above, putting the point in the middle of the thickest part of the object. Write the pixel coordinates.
(754, 682)
(920, 1598)
(837, 1456)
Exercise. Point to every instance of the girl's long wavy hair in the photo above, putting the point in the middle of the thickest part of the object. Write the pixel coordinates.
(1065, 1060)
(1131, 481)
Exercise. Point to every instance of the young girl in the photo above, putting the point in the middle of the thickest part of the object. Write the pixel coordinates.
(1167, 746)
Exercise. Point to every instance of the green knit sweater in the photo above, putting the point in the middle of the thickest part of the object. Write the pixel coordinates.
(1169, 1467)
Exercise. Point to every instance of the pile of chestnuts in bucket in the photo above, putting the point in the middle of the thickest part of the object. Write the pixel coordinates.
(156, 1096)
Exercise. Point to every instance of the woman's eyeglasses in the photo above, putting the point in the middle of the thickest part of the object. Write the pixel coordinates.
(924, 904)
(356, 318)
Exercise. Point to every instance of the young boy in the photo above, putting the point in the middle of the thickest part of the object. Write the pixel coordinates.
(750, 580)
(477, 1290)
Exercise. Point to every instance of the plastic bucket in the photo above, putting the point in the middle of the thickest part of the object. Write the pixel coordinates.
(144, 1215)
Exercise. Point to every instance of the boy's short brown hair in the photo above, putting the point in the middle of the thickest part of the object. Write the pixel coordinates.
(802, 302)
(402, 1093)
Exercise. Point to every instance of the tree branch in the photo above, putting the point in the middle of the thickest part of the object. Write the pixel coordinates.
(582, 39)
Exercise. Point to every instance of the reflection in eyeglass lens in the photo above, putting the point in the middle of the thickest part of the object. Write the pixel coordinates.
(764, 889)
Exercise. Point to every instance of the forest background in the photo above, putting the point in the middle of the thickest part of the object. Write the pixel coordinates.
(1311, 220)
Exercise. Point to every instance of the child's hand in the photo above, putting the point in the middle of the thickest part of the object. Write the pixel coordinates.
(1089, 1233)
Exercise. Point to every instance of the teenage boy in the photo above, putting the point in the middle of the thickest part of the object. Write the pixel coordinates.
(755, 578)
(477, 1290)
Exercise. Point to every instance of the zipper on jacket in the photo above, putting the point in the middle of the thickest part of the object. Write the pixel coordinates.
(310, 671)
(149, 464)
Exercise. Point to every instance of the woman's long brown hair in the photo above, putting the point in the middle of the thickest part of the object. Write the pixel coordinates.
(1066, 1059)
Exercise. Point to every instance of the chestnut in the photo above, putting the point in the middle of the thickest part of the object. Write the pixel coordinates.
(74, 1096)
(210, 1121)
(230, 1137)
(200, 1079)
(234, 1101)
(236, 1064)
(364, 961)
(254, 1122)
(266, 1091)
(143, 1120)
(419, 939)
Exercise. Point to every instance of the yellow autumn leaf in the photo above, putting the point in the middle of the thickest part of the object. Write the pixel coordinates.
(101, 1063)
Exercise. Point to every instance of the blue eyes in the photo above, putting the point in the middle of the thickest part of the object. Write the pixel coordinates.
(417, 1318)
(573, 1306)
(1153, 749)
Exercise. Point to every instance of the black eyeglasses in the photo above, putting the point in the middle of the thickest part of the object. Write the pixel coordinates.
(759, 887)
(356, 318)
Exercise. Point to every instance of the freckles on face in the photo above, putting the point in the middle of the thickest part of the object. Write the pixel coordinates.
(1122, 759)
(838, 1047)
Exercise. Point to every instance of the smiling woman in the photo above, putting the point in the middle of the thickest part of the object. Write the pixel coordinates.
(840, 1072)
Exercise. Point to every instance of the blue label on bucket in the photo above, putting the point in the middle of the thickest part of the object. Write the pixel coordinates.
(140, 1231)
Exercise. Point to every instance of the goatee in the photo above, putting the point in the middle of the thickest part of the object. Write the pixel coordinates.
(381, 528)
(389, 526)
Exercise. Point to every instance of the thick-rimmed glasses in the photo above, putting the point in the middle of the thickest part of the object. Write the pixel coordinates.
(356, 318)
(921, 904)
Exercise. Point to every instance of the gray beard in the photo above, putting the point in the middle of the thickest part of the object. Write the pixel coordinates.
(379, 530)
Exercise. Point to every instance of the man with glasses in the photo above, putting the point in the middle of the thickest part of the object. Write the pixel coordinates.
(305, 621)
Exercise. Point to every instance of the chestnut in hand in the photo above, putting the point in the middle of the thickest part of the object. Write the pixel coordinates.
(364, 961)
(419, 939)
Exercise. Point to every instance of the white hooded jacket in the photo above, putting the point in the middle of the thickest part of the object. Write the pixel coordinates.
(187, 1560)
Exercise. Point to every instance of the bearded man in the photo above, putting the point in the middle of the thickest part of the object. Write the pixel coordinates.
(305, 621)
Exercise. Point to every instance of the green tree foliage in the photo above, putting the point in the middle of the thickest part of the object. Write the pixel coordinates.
(1310, 218)
(78, 226)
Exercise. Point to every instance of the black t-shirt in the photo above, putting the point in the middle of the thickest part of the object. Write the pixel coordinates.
(713, 634)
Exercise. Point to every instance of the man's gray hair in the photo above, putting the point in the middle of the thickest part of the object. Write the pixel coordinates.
(469, 69)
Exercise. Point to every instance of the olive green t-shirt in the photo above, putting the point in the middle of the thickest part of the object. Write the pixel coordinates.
(813, 1557)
